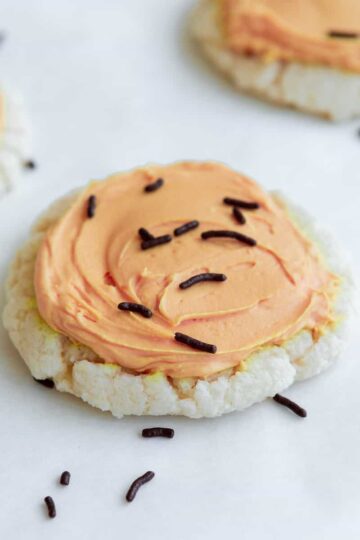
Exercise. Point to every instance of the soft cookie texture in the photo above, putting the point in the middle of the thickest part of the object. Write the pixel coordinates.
(76, 369)
(14, 139)
(327, 91)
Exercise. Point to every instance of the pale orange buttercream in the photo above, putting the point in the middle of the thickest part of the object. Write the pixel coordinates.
(294, 30)
(85, 267)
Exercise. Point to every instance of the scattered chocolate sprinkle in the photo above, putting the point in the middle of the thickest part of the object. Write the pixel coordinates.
(158, 241)
(158, 432)
(136, 308)
(342, 34)
(133, 489)
(144, 234)
(290, 405)
(229, 234)
(29, 164)
(48, 383)
(154, 186)
(241, 204)
(49, 501)
(195, 343)
(239, 216)
(91, 206)
(202, 277)
(186, 227)
(65, 478)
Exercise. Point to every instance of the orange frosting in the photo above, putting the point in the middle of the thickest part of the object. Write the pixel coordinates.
(85, 267)
(294, 30)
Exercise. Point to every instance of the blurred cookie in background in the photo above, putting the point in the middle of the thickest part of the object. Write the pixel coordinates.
(304, 54)
(14, 139)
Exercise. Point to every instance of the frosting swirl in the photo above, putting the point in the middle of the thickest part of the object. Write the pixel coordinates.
(86, 267)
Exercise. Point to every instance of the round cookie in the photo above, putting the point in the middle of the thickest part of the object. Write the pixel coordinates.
(183, 381)
(14, 139)
(302, 54)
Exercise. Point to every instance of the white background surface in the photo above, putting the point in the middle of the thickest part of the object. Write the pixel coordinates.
(110, 85)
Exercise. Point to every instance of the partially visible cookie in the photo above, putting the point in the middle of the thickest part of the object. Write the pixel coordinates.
(303, 54)
(14, 139)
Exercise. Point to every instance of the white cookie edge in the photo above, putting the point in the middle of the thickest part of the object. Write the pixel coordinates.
(324, 91)
(74, 369)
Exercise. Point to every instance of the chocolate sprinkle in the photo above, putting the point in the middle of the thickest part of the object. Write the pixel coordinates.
(134, 488)
(202, 277)
(144, 234)
(229, 234)
(48, 383)
(241, 204)
(158, 241)
(290, 405)
(136, 308)
(342, 34)
(158, 432)
(186, 227)
(49, 501)
(91, 206)
(195, 343)
(154, 186)
(65, 478)
(29, 164)
(239, 216)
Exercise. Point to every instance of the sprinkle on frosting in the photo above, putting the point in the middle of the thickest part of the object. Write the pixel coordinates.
(229, 234)
(189, 226)
(91, 206)
(195, 343)
(239, 216)
(135, 308)
(154, 186)
(158, 241)
(342, 35)
(241, 204)
(144, 234)
(199, 278)
(272, 291)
